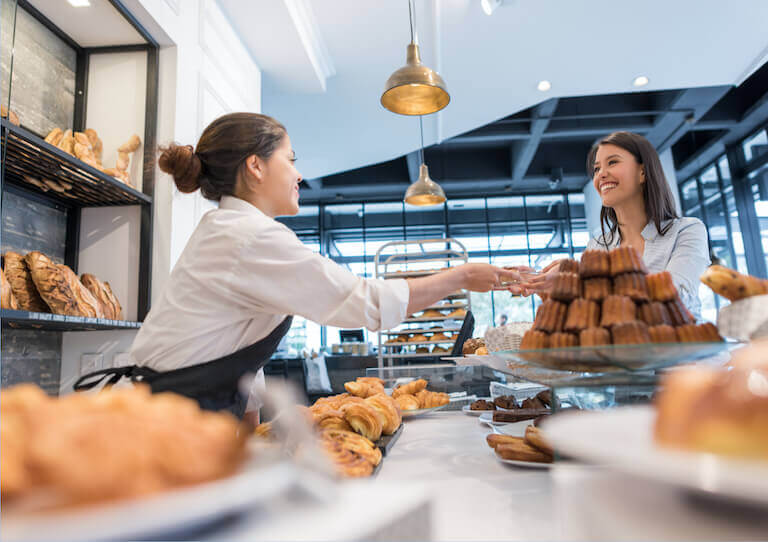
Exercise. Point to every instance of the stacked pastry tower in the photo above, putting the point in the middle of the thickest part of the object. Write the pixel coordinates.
(609, 298)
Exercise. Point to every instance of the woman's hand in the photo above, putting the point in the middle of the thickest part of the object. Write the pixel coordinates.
(540, 284)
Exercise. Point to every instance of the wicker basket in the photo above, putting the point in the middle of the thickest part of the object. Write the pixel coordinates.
(506, 337)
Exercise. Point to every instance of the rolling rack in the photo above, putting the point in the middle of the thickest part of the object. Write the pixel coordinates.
(421, 258)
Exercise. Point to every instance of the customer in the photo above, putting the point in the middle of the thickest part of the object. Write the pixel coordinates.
(639, 211)
(230, 297)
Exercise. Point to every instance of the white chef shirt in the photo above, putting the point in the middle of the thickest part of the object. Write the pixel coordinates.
(683, 251)
(239, 276)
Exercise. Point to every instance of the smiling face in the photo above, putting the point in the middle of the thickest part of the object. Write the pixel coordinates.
(280, 181)
(617, 175)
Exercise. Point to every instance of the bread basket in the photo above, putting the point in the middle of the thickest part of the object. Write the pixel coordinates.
(745, 320)
(506, 337)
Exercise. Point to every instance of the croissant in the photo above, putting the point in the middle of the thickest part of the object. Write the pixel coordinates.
(22, 284)
(363, 419)
(388, 412)
(355, 443)
(7, 299)
(410, 388)
(407, 402)
(375, 380)
(431, 399)
(331, 419)
(348, 464)
(363, 389)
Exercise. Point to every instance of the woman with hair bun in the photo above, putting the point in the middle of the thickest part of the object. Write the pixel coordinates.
(639, 211)
(242, 275)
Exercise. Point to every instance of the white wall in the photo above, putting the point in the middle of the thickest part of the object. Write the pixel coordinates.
(205, 71)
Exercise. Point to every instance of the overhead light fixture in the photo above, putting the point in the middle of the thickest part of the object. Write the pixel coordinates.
(79, 3)
(424, 191)
(489, 6)
(414, 89)
(640, 81)
(544, 85)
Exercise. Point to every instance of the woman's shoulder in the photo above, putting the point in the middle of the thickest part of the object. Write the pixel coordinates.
(688, 225)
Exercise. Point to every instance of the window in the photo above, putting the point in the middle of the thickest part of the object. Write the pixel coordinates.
(755, 146)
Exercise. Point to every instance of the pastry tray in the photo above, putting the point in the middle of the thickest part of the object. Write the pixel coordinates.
(386, 442)
(621, 357)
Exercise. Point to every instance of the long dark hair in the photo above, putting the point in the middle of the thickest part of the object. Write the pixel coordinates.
(659, 202)
(221, 153)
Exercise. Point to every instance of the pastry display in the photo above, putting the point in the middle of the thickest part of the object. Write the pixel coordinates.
(440, 350)
(363, 388)
(119, 443)
(407, 402)
(440, 337)
(662, 334)
(582, 314)
(422, 350)
(678, 313)
(411, 388)
(482, 404)
(417, 338)
(733, 285)
(458, 313)
(635, 332)
(626, 259)
(534, 340)
(661, 287)
(632, 285)
(22, 284)
(563, 340)
(550, 316)
(594, 336)
(617, 309)
(432, 313)
(568, 266)
(717, 411)
(566, 287)
(597, 289)
(595, 263)
(654, 314)
(400, 339)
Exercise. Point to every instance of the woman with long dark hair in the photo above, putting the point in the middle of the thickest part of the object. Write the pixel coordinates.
(639, 211)
(230, 296)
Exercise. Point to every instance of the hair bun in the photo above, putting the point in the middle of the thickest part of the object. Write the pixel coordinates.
(185, 166)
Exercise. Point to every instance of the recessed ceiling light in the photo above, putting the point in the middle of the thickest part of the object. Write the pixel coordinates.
(489, 6)
(544, 85)
(79, 3)
(640, 81)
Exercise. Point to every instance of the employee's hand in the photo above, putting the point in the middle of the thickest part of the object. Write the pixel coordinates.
(542, 283)
(482, 277)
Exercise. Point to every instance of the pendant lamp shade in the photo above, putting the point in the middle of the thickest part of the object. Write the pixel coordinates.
(424, 191)
(415, 89)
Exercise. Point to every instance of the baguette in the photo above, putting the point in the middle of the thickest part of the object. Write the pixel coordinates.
(533, 437)
(494, 439)
(520, 451)
(96, 143)
(131, 145)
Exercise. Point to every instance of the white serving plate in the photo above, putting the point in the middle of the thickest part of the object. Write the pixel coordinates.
(623, 439)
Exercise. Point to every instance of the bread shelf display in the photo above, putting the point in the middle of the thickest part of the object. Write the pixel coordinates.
(38, 166)
(421, 258)
(14, 319)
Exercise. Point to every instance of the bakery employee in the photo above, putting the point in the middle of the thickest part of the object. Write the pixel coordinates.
(230, 297)
(639, 211)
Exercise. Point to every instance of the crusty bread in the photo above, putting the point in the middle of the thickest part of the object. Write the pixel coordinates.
(52, 284)
(22, 284)
(97, 289)
(87, 304)
(7, 299)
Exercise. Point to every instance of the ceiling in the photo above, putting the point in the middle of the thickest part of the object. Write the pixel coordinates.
(328, 95)
(77, 23)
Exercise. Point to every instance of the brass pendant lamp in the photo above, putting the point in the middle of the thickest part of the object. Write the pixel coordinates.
(424, 191)
(414, 89)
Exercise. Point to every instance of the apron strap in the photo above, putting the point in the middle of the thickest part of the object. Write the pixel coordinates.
(134, 372)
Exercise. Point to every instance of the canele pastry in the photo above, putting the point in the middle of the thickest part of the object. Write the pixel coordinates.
(550, 316)
(569, 266)
(595, 336)
(534, 340)
(715, 411)
(661, 287)
(595, 263)
(632, 285)
(582, 314)
(630, 333)
(691, 333)
(411, 388)
(567, 287)
(617, 309)
(597, 289)
(679, 313)
(654, 314)
(563, 340)
(662, 334)
(626, 260)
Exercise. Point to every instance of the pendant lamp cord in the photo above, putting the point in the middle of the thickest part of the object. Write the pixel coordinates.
(411, 18)
(421, 131)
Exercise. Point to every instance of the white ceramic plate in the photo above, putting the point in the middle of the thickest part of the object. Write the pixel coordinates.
(523, 464)
(622, 438)
(421, 411)
(173, 511)
(469, 412)
(487, 418)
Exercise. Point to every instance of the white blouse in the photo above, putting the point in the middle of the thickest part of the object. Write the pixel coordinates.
(683, 251)
(239, 276)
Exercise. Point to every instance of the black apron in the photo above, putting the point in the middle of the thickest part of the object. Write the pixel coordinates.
(213, 384)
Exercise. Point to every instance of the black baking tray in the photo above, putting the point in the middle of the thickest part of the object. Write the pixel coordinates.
(386, 442)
